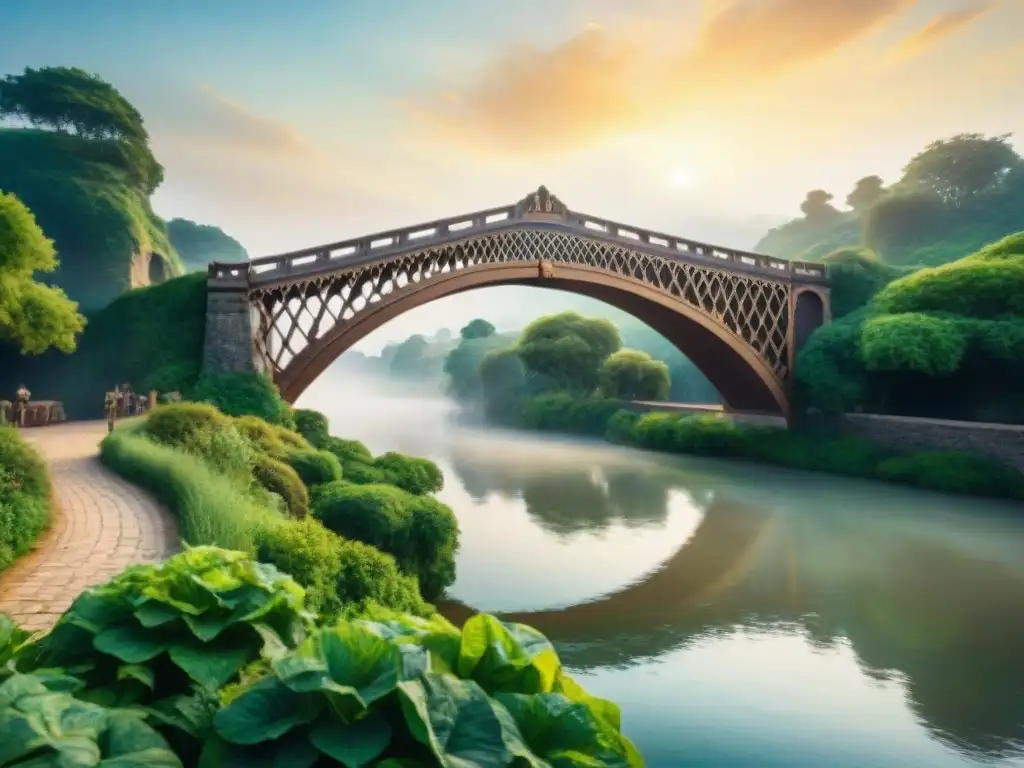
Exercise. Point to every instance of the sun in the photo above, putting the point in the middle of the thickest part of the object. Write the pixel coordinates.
(680, 177)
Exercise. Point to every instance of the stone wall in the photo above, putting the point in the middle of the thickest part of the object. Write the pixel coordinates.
(228, 346)
(1002, 442)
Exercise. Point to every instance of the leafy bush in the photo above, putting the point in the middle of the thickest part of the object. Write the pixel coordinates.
(417, 692)
(420, 532)
(277, 477)
(313, 426)
(44, 727)
(244, 394)
(315, 467)
(565, 412)
(25, 496)
(202, 431)
(271, 439)
(340, 576)
(348, 450)
(155, 634)
(410, 473)
(953, 472)
(209, 506)
(912, 342)
(361, 473)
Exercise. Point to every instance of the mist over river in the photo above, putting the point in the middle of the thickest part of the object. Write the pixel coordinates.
(740, 615)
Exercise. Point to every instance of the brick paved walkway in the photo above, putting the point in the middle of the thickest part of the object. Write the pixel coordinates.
(101, 525)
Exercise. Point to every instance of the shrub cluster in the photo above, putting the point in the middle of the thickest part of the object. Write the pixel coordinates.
(211, 659)
(25, 496)
(420, 532)
(247, 484)
(947, 471)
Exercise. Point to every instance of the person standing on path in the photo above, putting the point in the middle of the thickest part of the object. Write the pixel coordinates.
(112, 403)
(21, 405)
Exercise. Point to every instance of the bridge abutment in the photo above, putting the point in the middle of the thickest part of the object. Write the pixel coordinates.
(229, 344)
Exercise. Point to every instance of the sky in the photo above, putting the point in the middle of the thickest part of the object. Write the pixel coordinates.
(294, 124)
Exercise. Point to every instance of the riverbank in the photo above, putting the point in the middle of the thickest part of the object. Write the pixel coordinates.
(812, 448)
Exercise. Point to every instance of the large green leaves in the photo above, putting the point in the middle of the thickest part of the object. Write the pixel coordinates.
(506, 657)
(43, 727)
(206, 612)
(460, 724)
(404, 691)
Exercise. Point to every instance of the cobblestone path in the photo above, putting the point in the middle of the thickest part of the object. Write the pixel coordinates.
(101, 525)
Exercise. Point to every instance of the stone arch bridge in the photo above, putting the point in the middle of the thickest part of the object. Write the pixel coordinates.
(740, 317)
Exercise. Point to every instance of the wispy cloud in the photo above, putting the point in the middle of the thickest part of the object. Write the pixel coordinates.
(600, 83)
(940, 27)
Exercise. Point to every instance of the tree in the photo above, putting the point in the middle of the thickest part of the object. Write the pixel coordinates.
(866, 193)
(33, 316)
(503, 381)
(408, 357)
(462, 364)
(199, 244)
(903, 222)
(961, 167)
(630, 374)
(568, 349)
(71, 100)
(477, 329)
(817, 207)
(63, 98)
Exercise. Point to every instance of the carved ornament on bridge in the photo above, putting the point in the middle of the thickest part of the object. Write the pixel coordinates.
(542, 205)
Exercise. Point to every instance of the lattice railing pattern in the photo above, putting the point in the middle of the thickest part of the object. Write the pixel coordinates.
(296, 315)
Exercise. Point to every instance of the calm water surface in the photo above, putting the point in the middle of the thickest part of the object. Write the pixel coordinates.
(740, 615)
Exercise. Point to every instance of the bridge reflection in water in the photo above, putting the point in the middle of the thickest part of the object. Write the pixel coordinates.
(947, 625)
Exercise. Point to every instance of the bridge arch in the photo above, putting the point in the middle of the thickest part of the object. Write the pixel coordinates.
(730, 312)
(741, 377)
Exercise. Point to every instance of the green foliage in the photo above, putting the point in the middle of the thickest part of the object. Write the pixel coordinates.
(315, 467)
(565, 412)
(954, 197)
(568, 349)
(44, 727)
(127, 341)
(278, 477)
(855, 276)
(270, 439)
(418, 692)
(477, 329)
(633, 375)
(953, 472)
(156, 632)
(503, 383)
(462, 364)
(419, 532)
(960, 168)
(912, 342)
(341, 577)
(830, 372)
(204, 432)
(25, 496)
(244, 394)
(313, 426)
(209, 506)
(410, 473)
(33, 316)
(199, 244)
(987, 284)
(348, 450)
(91, 196)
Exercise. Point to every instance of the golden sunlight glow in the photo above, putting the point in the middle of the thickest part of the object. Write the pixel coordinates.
(680, 177)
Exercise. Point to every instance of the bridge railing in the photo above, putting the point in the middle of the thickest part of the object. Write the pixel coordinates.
(356, 251)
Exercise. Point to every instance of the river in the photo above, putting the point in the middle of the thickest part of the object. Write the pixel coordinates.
(740, 615)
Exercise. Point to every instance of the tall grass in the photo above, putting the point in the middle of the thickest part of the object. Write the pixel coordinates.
(209, 507)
